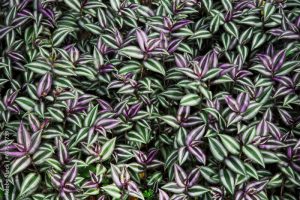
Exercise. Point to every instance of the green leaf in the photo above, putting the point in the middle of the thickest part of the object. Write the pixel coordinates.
(230, 144)
(231, 29)
(19, 165)
(251, 111)
(253, 153)
(29, 185)
(269, 9)
(235, 164)
(173, 187)
(258, 40)
(201, 34)
(132, 52)
(287, 67)
(170, 120)
(56, 114)
(38, 67)
(215, 23)
(197, 190)
(250, 170)
(91, 117)
(190, 100)
(73, 4)
(227, 5)
(227, 180)
(112, 190)
(217, 149)
(155, 66)
(108, 149)
(25, 103)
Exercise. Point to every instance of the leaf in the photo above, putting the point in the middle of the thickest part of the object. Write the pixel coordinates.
(190, 100)
(227, 5)
(252, 111)
(230, 144)
(201, 34)
(132, 52)
(112, 190)
(25, 103)
(287, 67)
(269, 9)
(231, 28)
(38, 67)
(217, 149)
(258, 40)
(235, 164)
(91, 117)
(108, 149)
(173, 187)
(29, 184)
(19, 165)
(56, 114)
(155, 66)
(73, 4)
(227, 179)
(170, 120)
(253, 153)
(197, 190)
(215, 23)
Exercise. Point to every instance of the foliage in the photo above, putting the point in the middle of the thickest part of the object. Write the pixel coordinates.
(150, 99)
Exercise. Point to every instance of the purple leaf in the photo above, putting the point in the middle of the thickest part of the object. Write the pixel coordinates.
(233, 105)
(198, 153)
(24, 136)
(180, 24)
(44, 85)
(107, 123)
(180, 176)
(115, 173)
(142, 39)
(278, 60)
(243, 100)
(163, 195)
(195, 135)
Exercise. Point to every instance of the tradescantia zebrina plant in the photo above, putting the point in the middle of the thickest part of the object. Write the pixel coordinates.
(150, 99)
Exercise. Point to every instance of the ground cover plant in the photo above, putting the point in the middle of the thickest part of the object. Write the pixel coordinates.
(150, 99)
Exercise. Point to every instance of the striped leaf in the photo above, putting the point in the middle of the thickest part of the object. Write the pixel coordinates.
(73, 4)
(230, 144)
(232, 29)
(201, 34)
(227, 5)
(258, 40)
(155, 66)
(29, 184)
(91, 117)
(190, 100)
(38, 67)
(197, 190)
(132, 52)
(217, 149)
(112, 191)
(25, 103)
(19, 165)
(107, 149)
(269, 9)
(227, 180)
(215, 23)
(173, 187)
(253, 153)
(56, 114)
(170, 120)
(235, 164)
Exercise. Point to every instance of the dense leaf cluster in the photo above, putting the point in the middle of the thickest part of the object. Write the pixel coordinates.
(150, 99)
